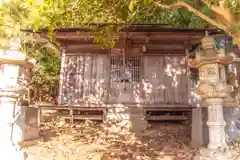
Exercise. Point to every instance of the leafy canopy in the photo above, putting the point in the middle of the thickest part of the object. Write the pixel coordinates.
(35, 14)
(51, 14)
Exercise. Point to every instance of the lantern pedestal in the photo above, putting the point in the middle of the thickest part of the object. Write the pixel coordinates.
(14, 68)
(217, 147)
(213, 95)
(211, 154)
(11, 133)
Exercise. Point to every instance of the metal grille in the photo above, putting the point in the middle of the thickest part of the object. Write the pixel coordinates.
(127, 70)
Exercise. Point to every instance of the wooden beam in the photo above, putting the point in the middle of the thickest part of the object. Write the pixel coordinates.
(76, 41)
(163, 53)
(158, 51)
(132, 35)
(160, 46)
(72, 35)
(135, 48)
(187, 109)
(167, 118)
(87, 51)
(83, 46)
(160, 41)
(119, 44)
(149, 53)
(163, 35)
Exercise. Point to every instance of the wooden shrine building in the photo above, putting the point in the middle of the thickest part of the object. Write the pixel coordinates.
(147, 68)
(145, 76)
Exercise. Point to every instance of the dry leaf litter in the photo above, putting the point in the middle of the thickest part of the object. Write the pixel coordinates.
(96, 141)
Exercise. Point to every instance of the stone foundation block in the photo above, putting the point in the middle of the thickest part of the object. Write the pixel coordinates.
(212, 154)
(138, 125)
(133, 115)
(31, 129)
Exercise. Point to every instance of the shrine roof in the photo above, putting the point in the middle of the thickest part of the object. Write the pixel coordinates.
(138, 28)
(138, 34)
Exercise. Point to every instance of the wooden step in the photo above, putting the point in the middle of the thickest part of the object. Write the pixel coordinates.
(75, 113)
(84, 117)
(167, 118)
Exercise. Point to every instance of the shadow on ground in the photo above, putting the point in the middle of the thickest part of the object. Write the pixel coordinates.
(95, 141)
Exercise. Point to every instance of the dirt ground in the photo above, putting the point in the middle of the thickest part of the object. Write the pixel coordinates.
(95, 141)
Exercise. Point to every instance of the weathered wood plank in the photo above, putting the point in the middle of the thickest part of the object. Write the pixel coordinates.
(119, 43)
(94, 47)
(165, 80)
(80, 117)
(87, 80)
(166, 118)
(107, 105)
(62, 81)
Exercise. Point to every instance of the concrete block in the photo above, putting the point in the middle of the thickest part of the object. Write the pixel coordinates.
(134, 115)
(31, 129)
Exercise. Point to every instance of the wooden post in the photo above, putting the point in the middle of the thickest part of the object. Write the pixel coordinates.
(109, 78)
(39, 115)
(71, 116)
(62, 76)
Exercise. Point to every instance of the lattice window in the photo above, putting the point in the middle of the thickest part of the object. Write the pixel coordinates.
(127, 70)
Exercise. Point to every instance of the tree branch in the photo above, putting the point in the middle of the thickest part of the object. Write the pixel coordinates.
(194, 11)
(222, 10)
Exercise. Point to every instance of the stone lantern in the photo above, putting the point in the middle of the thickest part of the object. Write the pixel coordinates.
(213, 89)
(14, 73)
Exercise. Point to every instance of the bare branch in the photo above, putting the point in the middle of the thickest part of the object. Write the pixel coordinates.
(193, 10)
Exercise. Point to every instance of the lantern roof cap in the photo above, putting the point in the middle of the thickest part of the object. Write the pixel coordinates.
(12, 55)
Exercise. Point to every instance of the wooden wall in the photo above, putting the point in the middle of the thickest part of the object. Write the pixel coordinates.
(156, 69)
(153, 79)
(165, 80)
(84, 79)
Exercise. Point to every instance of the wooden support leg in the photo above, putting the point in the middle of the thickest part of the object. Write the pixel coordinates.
(71, 116)
(39, 115)
(104, 116)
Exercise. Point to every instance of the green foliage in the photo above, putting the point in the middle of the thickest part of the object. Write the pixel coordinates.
(29, 14)
(179, 18)
(32, 14)
(46, 73)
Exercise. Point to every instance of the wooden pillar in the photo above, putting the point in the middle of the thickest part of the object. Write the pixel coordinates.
(197, 128)
(108, 78)
(62, 76)
(71, 116)
(197, 119)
